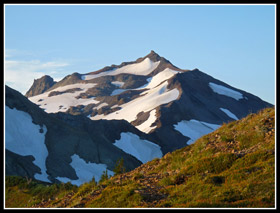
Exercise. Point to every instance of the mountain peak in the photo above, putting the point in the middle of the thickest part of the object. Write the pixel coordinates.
(153, 52)
(164, 63)
(153, 56)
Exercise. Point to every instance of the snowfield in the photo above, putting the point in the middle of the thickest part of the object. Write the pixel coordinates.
(23, 137)
(143, 150)
(160, 77)
(62, 102)
(85, 171)
(155, 95)
(148, 101)
(225, 91)
(229, 113)
(143, 68)
(194, 129)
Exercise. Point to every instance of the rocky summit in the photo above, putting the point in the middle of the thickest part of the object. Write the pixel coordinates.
(78, 128)
(40, 85)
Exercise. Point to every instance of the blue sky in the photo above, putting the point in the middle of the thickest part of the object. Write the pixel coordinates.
(233, 43)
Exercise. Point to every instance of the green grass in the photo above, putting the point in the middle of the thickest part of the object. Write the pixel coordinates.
(21, 192)
(117, 196)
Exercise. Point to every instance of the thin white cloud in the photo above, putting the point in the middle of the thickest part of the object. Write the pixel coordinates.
(20, 74)
(11, 53)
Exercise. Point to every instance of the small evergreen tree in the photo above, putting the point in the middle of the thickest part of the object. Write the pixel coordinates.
(93, 180)
(119, 168)
(104, 176)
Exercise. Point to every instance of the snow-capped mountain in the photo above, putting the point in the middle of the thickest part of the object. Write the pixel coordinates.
(172, 105)
(63, 147)
(82, 125)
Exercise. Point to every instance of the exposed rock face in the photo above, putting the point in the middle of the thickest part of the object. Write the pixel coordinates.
(20, 165)
(69, 79)
(40, 85)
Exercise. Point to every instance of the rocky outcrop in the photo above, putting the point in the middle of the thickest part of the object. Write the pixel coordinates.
(54, 93)
(40, 85)
(20, 165)
(69, 79)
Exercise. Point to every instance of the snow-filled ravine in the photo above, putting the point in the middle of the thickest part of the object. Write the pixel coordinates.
(23, 137)
(85, 171)
(194, 129)
(143, 150)
(225, 91)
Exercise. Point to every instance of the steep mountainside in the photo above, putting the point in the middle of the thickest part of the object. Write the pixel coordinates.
(173, 106)
(233, 166)
(64, 147)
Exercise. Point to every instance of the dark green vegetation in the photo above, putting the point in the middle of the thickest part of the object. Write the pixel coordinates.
(231, 167)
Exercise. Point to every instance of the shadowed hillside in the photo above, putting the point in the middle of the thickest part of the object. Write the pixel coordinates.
(233, 166)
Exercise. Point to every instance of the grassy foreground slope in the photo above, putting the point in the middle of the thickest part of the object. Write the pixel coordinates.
(231, 167)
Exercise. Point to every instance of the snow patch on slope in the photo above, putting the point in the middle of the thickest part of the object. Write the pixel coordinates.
(117, 92)
(143, 150)
(160, 77)
(62, 102)
(145, 85)
(85, 171)
(101, 105)
(229, 113)
(117, 83)
(225, 91)
(23, 137)
(152, 82)
(143, 68)
(148, 101)
(194, 129)
(146, 126)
